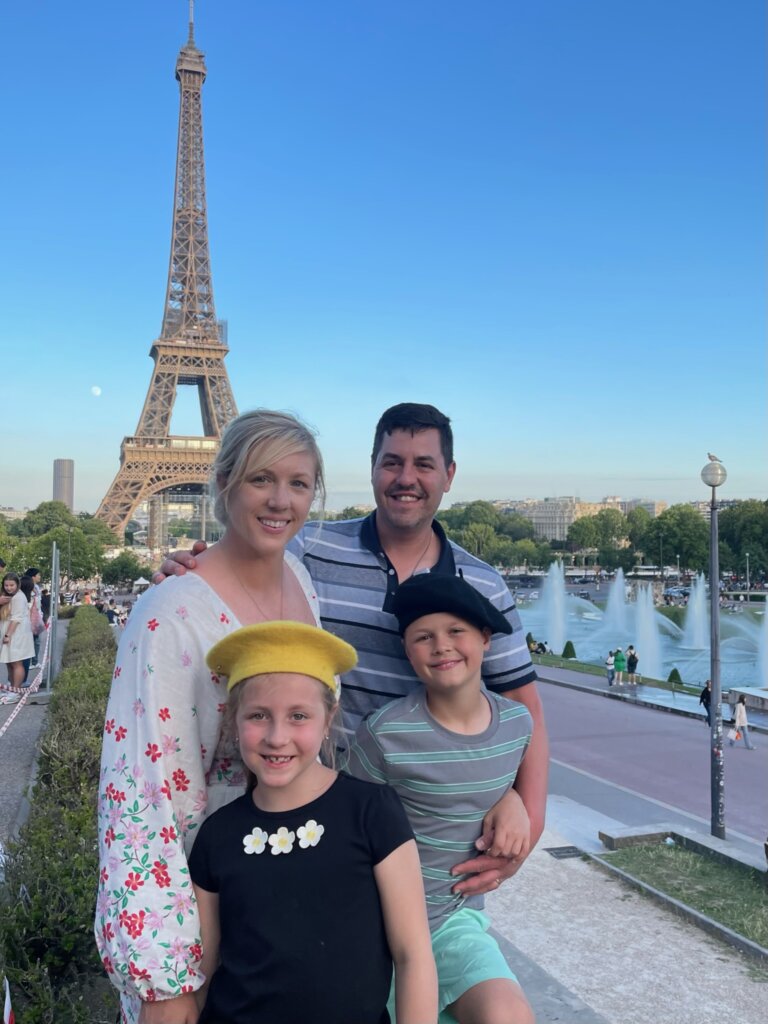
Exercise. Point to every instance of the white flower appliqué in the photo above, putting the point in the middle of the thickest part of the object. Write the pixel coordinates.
(309, 834)
(282, 840)
(255, 841)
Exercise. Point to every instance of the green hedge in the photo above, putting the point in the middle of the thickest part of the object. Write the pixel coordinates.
(47, 901)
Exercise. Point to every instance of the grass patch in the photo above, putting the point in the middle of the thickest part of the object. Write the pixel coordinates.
(731, 894)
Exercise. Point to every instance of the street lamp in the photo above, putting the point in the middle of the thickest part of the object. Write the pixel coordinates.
(746, 553)
(678, 569)
(714, 475)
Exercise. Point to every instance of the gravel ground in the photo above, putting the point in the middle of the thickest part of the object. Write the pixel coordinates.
(629, 959)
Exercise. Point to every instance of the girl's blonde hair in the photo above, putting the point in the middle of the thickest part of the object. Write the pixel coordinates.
(332, 712)
(255, 441)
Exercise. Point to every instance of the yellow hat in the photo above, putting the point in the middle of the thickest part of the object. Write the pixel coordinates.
(281, 647)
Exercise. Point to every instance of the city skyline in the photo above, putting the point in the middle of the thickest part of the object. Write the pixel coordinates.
(550, 224)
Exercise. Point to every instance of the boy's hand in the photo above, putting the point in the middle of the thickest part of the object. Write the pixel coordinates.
(506, 829)
(177, 563)
(180, 1010)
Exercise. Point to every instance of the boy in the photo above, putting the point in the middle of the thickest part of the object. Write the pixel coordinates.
(450, 750)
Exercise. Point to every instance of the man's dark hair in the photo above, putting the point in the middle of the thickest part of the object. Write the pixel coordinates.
(2, 563)
(414, 417)
(32, 572)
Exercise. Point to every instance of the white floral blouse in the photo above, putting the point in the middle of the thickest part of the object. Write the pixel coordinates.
(165, 766)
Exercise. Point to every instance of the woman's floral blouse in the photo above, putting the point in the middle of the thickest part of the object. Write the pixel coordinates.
(165, 765)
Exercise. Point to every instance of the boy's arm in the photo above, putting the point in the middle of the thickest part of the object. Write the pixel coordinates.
(487, 872)
(403, 905)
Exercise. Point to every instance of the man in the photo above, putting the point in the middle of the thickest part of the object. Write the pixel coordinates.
(356, 566)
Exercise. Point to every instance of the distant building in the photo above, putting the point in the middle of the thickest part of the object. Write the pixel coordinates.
(64, 482)
(552, 517)
(7, 512)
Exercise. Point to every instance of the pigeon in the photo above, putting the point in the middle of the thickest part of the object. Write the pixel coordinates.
(712, 458)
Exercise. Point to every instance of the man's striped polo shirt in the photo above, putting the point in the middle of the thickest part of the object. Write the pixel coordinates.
(356, 583)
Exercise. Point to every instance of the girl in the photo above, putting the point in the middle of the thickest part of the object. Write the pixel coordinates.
(620, 664)
(16, 640)
(165, 762)
(740, 723)
(308, 885)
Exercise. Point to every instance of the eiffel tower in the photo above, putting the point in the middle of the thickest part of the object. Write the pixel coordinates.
(190, 350)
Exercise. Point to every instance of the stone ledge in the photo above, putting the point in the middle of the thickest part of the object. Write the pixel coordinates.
(617, 839)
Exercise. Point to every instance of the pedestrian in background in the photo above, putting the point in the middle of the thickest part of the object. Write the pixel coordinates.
(705, 698)
(632, 660)
(610, 668)
(620, 664)
(741, 725)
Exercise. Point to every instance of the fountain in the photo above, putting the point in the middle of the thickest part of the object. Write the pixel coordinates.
(696, 628)
(553, 601)
(660, 643)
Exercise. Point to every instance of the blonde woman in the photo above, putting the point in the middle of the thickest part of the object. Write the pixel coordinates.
(167, 762)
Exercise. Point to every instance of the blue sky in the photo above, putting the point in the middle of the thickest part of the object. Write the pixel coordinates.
(546, 217)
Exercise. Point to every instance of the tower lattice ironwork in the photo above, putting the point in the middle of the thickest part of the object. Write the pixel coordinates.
(190, 350)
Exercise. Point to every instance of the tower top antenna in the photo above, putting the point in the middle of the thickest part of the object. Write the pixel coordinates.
(191, 39)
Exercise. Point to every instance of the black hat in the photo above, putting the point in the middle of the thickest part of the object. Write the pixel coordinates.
(429, 592)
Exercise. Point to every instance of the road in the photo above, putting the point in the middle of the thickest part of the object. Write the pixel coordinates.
(616, 757)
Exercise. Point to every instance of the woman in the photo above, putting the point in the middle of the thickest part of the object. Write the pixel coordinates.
(619, 664)
(166, 761)
(740, 723)
(16, 641)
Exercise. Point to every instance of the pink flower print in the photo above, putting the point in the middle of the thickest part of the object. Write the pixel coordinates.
(109, 836)
(154, 920)
(120, 733)
(134, 881)
(186, 659)
(152, 793)
(135, 836)
(163, 714)
(182, 902)
(180, 780)
(116, 673)
(166, 789)
(182, 612)
(138, 972)
(152, 625)
(178, 950)
(138, 708)
(160, 871)
(221, 708)
(171, 745)
(224, 618)
(115, 815)
(109, 725)
(201, 801)
(168, 834)
(102, 901)
(153, 752)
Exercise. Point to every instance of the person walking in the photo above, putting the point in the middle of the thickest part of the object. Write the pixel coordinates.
(741, 725)
(632, 660)
(705, 699)
(16, 644)
(620, 664)
(610, 668)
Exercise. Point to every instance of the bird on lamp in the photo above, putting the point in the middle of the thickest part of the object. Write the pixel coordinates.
(712, 458)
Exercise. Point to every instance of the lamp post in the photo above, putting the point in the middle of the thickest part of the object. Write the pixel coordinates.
(678, 569)
(714, 475)
(746, 555)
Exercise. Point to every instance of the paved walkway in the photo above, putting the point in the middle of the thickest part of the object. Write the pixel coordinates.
(587, 949)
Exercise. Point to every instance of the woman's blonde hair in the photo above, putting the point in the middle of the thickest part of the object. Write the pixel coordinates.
(254, 441)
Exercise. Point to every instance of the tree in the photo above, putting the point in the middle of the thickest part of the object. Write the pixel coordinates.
(611, 527)
(679, 530)
(744, 528)
(514, 526)
(80, 556)
(637, 523)
(95, 528)
(47, 516)
(122, 570)
(583, 534)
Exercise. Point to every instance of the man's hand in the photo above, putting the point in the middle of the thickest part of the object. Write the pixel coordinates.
(180, 1010)
(486, 874)
(177, 563)
(506, 829)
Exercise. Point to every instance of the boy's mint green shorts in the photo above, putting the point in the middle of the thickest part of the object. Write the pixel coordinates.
(465, 954)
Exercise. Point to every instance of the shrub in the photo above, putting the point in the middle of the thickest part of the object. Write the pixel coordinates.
(674, 677)
(569, 651)
(47, 900)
